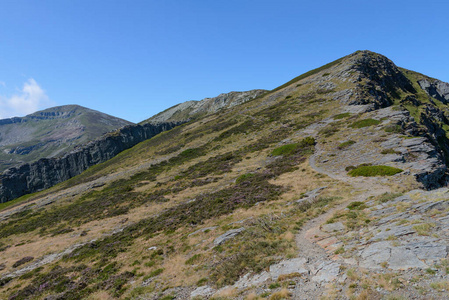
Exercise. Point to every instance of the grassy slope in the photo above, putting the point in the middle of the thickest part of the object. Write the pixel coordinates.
(203, 163)
(163, 190)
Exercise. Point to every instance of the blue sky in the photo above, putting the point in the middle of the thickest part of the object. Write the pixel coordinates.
(133, 59)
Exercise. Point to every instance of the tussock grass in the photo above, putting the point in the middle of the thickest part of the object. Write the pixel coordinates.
(385, 197)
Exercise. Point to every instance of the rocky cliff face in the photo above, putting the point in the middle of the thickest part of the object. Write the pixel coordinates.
(47, 172)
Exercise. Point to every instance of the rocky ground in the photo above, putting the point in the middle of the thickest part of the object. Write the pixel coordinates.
(400, 250)
(314, 232)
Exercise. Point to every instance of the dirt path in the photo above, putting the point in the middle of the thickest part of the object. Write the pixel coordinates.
(308, 248)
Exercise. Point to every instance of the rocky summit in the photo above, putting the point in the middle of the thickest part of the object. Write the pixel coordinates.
(331, 186)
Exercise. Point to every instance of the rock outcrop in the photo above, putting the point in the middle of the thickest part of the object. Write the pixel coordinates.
(190, 109)
(436, 89)
(379, 79)
(47, 172)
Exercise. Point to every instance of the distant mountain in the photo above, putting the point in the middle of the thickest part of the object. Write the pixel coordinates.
(193, 109)
(51, 132)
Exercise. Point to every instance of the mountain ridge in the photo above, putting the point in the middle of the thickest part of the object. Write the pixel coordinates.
(188, 110)
(316, 188)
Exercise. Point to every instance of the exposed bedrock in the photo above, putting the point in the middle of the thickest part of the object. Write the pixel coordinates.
(47, 172)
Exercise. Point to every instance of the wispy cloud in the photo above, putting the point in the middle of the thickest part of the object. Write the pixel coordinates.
(27, 100)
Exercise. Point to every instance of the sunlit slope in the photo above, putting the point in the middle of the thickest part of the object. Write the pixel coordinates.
(226, 195)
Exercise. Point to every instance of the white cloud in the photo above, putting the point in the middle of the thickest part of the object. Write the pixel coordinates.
(29, 99)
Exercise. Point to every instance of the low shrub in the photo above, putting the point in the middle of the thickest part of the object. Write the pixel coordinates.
(285, 149)
(390, 151)
(345, 144)
(369, 171)
(364, 123)
(156, 272)
(244, 177)
(328, 131)
(393, 129)
(194, 259)
(22, 261)
(291, 149)
(342, 116)
(356, 205)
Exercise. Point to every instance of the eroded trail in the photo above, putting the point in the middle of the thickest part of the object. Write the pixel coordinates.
(317, 246)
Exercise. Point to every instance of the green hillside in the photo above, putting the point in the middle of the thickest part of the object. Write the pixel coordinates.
(220, 206)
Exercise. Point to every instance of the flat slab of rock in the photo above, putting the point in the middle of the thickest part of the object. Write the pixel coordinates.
(311, 195)
(327, 272)
(285, 267)
(228, 235)
(202, 291)
(202, 230)
(333, 227)
(392, 231)
(385, 255)
(248, 281)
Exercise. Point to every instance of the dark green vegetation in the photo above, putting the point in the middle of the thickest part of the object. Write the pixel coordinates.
(345, 144)
(285, 150)
(342, 116)
(368, 171)
(393, 129)
(390, 151)
(356, 205)
(115, 199)
(365, 123)
(293, 148)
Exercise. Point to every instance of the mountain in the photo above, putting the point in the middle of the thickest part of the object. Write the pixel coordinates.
(332, 185)
(51, 132)
(189, 110)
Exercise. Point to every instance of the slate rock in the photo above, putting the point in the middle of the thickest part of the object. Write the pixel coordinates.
(285, 267)
(202, 291)
(382, 254)
(333, 227)
(248, 281)
(327, 272)
(228, 235)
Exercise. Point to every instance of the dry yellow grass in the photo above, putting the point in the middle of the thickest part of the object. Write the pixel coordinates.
(252, 296)
(282, 294)
(100, 295)
(227, 293)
